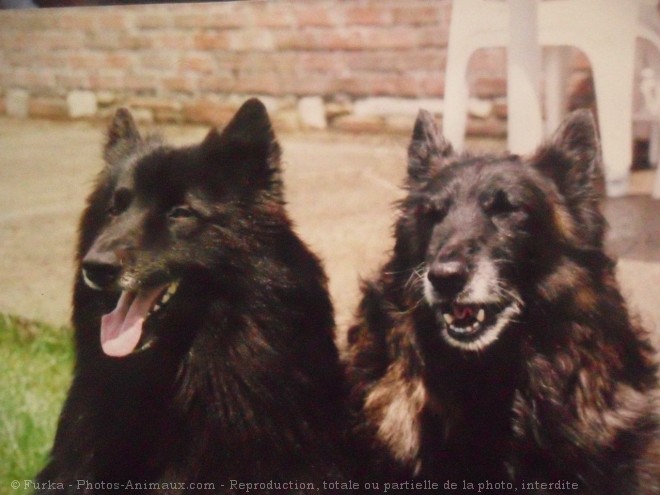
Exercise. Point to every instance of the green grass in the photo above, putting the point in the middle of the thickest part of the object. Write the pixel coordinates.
(36, 361)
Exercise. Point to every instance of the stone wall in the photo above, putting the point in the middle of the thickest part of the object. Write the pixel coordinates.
(355, 65)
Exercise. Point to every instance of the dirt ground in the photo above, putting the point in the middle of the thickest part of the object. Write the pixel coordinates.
(340, 191)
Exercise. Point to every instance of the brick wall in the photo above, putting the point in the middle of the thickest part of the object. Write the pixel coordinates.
(348, 64)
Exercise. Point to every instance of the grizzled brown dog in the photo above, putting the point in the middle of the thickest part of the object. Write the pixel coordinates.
(494, 345)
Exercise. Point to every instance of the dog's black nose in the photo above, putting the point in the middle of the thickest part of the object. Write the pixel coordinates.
(448, 277)
(100, 270)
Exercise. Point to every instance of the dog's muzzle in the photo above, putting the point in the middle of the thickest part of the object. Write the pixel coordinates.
(468, 304)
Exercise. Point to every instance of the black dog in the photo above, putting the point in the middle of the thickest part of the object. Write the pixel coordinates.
(494, 350)
(203, 326)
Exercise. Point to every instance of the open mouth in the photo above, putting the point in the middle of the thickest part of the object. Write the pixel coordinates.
(474, 326)
(122, 328)
(467, 321)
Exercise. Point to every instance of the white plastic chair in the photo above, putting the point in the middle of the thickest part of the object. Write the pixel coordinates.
(605, 30)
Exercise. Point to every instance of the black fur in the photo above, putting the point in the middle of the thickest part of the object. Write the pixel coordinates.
(494, 345)
(237, 376)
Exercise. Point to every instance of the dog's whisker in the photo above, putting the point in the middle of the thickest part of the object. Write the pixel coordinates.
(416, 278)
(396, 272)
(413, 307)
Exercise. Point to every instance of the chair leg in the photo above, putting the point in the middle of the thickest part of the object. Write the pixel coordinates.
(654, 145)
(555, 71)
(474, 24)
(614, 93)
(525, 123)
(654, 157)
(454, 118)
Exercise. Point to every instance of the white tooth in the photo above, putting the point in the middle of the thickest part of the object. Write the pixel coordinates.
(172, 288)
(481, 315)
(156, 308)
(89, 282)
(146, 346)
(166, 297)
(448, 318)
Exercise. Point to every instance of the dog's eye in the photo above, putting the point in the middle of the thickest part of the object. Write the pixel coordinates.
(120, 201)
(181, 212)
(500, 204)
(431, 212)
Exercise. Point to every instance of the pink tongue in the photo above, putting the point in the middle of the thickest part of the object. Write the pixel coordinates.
(461, 312)
(122, 328)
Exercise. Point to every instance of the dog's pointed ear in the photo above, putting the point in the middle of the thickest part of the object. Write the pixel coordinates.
(122, 136)
(428, 149)
(247, 148)
(572, 160)
(576, 140)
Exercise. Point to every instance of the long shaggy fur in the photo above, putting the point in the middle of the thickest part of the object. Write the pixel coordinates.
(236, 377)
(494, 345)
